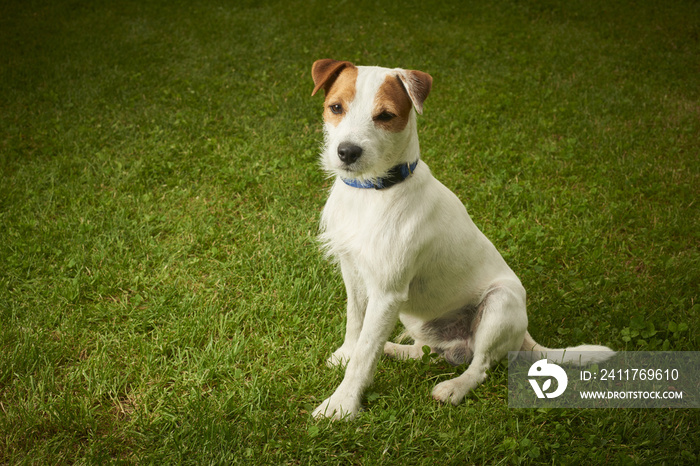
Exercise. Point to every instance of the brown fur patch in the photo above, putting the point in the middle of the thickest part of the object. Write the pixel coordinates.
(392, 98)
(341, 92)
(324, 72)
(418, 85)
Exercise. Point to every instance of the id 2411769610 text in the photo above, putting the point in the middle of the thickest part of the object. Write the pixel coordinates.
(631, 374)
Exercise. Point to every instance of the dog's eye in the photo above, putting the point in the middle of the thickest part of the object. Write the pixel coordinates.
(336, 109)
(384, 116)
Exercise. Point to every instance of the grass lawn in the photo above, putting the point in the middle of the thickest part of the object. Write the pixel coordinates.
(162, 295)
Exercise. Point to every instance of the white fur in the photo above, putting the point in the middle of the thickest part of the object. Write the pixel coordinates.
(409, 252)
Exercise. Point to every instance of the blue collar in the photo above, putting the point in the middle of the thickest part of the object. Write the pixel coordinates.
(394, 176)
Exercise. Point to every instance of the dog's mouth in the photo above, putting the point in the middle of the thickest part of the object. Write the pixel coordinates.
(351, 171)
(360, 169)
(349, 168)
(344, 170)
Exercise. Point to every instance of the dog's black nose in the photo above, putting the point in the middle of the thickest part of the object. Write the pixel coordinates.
(348, 152)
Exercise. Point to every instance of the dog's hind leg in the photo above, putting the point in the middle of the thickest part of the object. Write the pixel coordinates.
(397, 351)
(502, 329)
(414, 351)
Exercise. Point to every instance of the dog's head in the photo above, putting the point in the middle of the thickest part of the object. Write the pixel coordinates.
(369, 114)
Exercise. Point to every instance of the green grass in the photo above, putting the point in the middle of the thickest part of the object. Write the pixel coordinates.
(162, 296)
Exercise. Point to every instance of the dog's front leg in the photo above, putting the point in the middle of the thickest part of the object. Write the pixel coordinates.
(357, 304)
(379, 321)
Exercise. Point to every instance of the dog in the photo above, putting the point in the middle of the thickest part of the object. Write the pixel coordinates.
(406, 246)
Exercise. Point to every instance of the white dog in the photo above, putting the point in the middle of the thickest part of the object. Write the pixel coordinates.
(406, 246)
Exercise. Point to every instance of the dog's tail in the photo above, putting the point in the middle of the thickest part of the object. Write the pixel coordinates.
(576, 355)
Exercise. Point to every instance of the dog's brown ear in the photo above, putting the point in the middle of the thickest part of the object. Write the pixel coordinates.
(324, 73)
(418, 85)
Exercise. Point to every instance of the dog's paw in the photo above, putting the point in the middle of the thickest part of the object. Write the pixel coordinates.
(339, 358)
(450, 391)
(396, 351)
(336, 409)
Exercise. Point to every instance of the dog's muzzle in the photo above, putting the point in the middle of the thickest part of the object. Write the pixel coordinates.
(348, 153)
